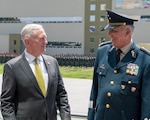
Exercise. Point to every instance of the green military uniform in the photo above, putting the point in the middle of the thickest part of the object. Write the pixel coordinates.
(120, 91)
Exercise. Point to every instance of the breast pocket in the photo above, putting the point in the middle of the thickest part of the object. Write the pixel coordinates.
(129, 87)
(101, 73)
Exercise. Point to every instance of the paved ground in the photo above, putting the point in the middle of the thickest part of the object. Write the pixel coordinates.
(78, 94)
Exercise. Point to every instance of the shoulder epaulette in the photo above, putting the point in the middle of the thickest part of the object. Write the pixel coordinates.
(145, 50)
(104, 43)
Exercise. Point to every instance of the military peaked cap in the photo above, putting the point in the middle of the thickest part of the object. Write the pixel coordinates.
(116, 19)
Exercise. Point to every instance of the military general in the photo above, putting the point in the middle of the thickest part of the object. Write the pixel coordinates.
(121, 78)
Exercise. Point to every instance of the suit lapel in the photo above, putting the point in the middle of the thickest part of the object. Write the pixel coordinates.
(112, 57)
(48, 68)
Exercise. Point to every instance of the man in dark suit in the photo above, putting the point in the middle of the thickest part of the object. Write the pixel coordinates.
(121, 80)
(23, 96)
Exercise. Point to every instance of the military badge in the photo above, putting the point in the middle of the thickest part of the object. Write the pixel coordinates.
(102, 66)
(132, 69)
(133, 53)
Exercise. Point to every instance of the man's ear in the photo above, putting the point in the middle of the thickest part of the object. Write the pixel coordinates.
(128, 31)
(26, 41)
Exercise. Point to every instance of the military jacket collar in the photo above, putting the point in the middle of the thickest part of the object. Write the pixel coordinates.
(130, 57)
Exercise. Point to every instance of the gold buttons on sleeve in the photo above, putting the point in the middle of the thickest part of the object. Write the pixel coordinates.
(107, 106)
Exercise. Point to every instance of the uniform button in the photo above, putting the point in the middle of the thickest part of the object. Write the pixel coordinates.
(112, 82)
(129, 82)
(109, 94)
(107, 106)
(123, 87)
(133, 89)
(115, 71)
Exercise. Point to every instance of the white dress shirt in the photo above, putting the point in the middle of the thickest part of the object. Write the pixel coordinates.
(30, 58)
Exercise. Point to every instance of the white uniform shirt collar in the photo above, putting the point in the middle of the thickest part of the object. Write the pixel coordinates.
(126, 48)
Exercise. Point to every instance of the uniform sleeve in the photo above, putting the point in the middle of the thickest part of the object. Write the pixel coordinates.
(145, 93)
(62, 98)
(8, 94)
(93, 94)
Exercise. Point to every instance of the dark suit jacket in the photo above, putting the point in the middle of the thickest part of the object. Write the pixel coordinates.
(122, 91)
(21, 97)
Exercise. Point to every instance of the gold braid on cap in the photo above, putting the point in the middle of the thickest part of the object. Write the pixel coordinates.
(123, 23)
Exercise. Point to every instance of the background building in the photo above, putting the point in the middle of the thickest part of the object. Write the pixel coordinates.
(96, 19)
(72, 26)
(62, 20)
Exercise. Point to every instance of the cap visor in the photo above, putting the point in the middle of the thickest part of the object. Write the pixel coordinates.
(107, 27)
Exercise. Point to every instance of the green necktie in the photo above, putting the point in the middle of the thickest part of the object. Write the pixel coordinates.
(39, 77)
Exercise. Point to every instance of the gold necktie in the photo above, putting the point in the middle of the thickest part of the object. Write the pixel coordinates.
(39, 77)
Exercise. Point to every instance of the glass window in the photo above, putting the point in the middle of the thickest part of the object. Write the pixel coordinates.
(145, 18)
(102, 18)
(102, 6)
(64, 45)
(102, 39)
(15, 42)
(92, 18)
(91, 51)
(14, 51)
(92, 28)
(74, 19)
(92, 39)
(101, 28)
(92, 7)
(132, 4)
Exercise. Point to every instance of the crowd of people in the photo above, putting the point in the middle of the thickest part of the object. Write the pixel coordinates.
(63, 60)
(4, 57)
(75, 60)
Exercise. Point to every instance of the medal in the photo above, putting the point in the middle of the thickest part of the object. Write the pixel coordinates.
(132, 69)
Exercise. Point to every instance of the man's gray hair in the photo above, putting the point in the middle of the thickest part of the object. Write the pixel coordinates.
(29, 30)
